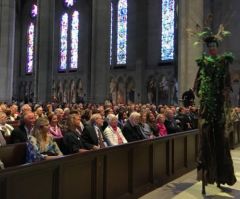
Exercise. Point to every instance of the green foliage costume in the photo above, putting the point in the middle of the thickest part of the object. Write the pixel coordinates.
(212, 86)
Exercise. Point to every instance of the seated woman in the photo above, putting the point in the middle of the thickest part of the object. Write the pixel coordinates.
(73, 142)
(40, 145)
(144, 127)
(54, 128)
(162, 130)
(113, 133)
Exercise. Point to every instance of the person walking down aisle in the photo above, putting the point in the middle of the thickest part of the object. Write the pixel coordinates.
(213, 86)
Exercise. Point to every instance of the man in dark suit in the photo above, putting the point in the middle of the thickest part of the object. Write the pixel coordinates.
(21, 133)
(131, 130)
(92, 133)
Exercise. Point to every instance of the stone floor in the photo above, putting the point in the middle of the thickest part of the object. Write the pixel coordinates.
(186, 187)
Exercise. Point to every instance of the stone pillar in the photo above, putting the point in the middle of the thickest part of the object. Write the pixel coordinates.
(100, 49)
(190, 14)
(7, 32)
(44, 52)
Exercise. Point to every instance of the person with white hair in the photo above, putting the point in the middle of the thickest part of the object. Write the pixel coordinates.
(5, 128)
(112, 132)
(131, 130)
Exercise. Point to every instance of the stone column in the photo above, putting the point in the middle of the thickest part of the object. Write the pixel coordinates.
(44, 52)
(7, 32)
(100, 49)
(190, 14)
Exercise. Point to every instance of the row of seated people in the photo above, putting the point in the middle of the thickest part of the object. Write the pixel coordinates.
(96, 133)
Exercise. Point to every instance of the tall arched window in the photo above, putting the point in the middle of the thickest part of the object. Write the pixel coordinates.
(69, 33)
(118, 32)
(31, 40)
(122, 32)
(168, 30)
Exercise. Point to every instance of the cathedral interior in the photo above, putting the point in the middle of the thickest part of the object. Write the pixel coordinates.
(125, 51)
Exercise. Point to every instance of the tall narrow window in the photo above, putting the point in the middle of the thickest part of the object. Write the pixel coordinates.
(122, 32)
(31, 40)
(168, 31)
(74, 40)
(69, 37)
(64, 42)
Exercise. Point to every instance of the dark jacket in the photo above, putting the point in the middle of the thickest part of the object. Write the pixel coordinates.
(132, 133)
(19, 134)
(72, 142)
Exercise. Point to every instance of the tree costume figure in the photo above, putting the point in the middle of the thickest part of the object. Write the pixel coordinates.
(212, 86)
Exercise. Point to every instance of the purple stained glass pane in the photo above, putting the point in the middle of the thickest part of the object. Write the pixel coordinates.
(74, 40)
(168, 20)
(34, 11)
(63, 42)
(30, 48)
(122, 32)
(111, 32)
(69, 3)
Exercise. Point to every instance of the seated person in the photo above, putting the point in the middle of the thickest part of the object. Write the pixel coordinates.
(170, 122)
(5, 128)
(92, 133)
(162, 130)
(54, 128)
(40, 145)
(131, 130)
(21, 133)
(185, 121)
(73, 142)
(113, 133)
(144, 126)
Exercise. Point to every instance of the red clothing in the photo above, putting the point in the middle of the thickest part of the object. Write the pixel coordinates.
(162, 130)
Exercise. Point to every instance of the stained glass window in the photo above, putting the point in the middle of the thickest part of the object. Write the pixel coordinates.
(30, 49)
(111, 32)
(69, 3)
(168, 20)
(122, 32)
(63, 42)
(74, 40)
(34, 11)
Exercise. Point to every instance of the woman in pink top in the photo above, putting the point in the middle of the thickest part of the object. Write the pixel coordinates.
(162, 130)
(54, 128)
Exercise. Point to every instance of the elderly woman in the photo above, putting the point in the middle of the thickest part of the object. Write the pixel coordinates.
(112, 132)
(162, 130)
(40, 145)
(144, 126)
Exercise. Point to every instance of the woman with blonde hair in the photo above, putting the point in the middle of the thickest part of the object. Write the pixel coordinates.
(40, 145)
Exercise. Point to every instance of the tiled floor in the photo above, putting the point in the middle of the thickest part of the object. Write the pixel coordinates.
(186, 187)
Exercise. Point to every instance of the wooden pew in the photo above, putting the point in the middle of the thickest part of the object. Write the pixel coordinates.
(13, 154)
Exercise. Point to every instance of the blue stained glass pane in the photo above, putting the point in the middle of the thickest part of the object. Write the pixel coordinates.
(63, 42)
(111, 31)
(30, 49)
(74, 40)
(168, 20)
(122, 32)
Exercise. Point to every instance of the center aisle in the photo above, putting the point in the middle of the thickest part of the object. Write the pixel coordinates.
(187, 187)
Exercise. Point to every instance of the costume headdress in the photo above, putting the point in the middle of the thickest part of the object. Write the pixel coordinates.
(206, 34)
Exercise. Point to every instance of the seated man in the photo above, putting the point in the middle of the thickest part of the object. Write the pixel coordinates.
(92, 133)
(131, 130)
(21, 133)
